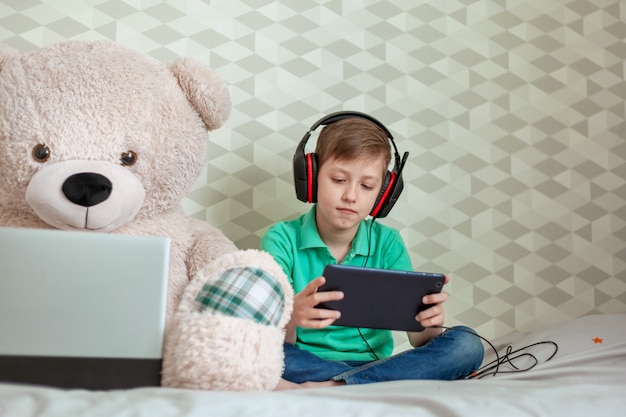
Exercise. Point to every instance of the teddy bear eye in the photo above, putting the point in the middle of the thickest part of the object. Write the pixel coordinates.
(128, 158)
(41, 153)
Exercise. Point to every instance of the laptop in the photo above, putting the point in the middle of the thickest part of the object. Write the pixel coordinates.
(379, 298)
(82, 309)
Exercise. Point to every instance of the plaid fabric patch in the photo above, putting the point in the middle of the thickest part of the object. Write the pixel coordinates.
(244, 292)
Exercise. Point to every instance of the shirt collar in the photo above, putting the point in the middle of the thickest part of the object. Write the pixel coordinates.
(361, 242)
(309, 236)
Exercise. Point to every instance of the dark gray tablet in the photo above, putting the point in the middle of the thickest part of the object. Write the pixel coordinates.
(379, 298)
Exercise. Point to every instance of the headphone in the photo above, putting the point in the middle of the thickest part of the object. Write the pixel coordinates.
(305, 167)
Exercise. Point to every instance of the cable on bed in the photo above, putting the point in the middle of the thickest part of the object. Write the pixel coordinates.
(493, 368)
(488, 369)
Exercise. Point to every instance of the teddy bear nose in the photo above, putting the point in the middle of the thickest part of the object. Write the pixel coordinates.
(87, 188)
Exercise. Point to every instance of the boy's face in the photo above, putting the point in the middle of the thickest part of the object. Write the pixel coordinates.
(346, 192)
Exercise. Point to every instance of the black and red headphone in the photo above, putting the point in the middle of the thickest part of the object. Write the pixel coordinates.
(305, 167)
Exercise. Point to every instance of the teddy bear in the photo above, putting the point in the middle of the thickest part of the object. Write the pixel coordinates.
(99, 137)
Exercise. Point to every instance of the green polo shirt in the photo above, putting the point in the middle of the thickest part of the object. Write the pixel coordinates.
(297, 247)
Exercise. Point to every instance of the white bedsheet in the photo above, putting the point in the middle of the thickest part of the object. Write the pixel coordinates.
(586, 377)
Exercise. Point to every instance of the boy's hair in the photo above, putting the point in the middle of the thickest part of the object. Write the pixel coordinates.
(352, 138)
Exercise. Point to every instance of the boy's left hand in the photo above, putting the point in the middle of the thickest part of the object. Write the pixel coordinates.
(434, 315)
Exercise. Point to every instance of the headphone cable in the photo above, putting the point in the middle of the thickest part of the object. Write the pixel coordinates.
(369, 248)
(493, 368)
(369, 241)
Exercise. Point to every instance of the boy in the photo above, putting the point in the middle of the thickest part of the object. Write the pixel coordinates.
(350, 166)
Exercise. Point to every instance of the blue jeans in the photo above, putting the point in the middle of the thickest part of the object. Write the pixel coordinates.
(452, 355)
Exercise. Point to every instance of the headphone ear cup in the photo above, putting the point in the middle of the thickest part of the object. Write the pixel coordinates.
(305, 177)
(389, 193)
(305, 173)
(384, 191)
(311, 161)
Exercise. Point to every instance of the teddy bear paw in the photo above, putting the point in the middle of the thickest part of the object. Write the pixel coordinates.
(228, 331)
(243, 292)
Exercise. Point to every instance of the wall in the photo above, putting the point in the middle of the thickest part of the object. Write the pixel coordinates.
(512, 111)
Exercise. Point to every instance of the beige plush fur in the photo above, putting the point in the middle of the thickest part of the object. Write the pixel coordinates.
(242, 339)
(139, 127)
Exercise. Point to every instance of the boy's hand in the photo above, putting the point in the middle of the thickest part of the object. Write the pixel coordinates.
(305, 314)
(434, 315)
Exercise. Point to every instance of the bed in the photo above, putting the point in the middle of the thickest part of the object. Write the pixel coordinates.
(577, 368)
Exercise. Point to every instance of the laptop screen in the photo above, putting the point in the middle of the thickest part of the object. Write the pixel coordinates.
(66, 296)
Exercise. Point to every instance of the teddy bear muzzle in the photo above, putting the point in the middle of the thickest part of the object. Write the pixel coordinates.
(85, 195)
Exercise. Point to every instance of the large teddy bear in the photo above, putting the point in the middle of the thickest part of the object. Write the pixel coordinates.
(98, 137)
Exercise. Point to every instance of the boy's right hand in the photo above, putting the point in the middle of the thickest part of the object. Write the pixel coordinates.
(305, 314)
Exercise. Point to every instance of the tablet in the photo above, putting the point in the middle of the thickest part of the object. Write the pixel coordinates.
(379, 298)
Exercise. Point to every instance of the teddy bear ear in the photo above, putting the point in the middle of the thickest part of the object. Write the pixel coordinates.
(6, 53)
(205, 90)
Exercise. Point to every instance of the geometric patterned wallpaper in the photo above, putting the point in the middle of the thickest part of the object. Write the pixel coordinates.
(513, 113)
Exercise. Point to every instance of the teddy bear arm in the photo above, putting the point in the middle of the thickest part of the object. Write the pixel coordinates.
(209, 243)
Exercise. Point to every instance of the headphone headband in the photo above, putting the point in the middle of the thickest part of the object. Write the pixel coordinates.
(305, 166)
(340, 115)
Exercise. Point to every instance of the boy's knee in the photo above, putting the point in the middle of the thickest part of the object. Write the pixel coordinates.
(470, 346)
